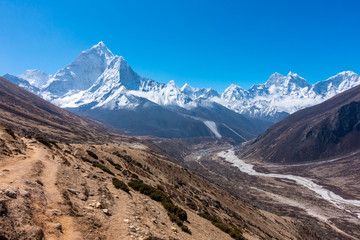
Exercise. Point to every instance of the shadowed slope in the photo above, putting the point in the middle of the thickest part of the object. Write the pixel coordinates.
(27, 113)
(329, 129)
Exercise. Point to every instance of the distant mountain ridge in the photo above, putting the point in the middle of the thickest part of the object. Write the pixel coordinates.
(327, 130)
(97, 79)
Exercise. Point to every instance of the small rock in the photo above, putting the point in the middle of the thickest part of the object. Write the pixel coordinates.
(126, 220)
(116, 196)
(98, 205)
(3, 210)
(39, 182)
(25, 194)
(34, 232)
(10, 193)
(103, 196)
(82, 197)
(132, 229)
(56, 212)
(146, 200)
(106, 211)
(58, 226)
(6, 170)
(173, 229)
(73, 191)
(29, 182)
(77, 167)
(154, 221)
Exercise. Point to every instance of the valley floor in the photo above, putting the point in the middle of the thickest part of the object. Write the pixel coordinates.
(322, 194)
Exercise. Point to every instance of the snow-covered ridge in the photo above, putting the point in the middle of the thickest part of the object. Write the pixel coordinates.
(99, 79)
(36, 78)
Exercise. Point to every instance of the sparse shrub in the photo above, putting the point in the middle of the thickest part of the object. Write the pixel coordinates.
(185, 229)
(66, 162)
(133, 175)
(117, 166)
(175, 213)
(128, 159)
(233, 231)
(102, 167)
(10, 132)
(92, 154)
(47, 142)
(120, 185)
(86, 160)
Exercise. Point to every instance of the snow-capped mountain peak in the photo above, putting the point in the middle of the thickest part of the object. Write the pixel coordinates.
(35, 77)
(274, 79)
(172, 83)
(336, 84)
(81, 73)
(187, 89)
(234, 93)
(291, 80)
(100, 49)
(99, 79)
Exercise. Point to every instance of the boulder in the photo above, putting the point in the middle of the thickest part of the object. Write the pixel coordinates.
(10, 193)
(73, 191)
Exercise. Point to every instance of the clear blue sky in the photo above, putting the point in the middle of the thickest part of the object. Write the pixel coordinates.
(205, 43)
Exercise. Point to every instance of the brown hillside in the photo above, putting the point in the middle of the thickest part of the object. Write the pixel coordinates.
(329, 129)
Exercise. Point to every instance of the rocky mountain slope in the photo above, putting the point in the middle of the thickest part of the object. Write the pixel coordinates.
(54, 185)
(328, 130)
(98, 71)
(29, 114)
(103, 87)
(99, 83)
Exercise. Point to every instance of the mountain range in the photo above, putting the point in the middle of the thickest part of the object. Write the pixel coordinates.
(324, 131)
(102, 86)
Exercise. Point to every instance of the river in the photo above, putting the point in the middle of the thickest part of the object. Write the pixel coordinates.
(338, 201)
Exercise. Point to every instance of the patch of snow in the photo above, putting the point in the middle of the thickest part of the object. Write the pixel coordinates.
(234, 132)
(212, 126)
(35, 77)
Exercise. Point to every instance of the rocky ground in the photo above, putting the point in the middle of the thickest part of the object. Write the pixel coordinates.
(54, 190)
(316, 217)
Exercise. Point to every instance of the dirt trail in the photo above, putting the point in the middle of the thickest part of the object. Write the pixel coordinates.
(118, 229)
(52, 193)
(20, 168)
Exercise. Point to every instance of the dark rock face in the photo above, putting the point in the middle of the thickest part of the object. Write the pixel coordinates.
(346, 119)
(327, 130)
(150, 119)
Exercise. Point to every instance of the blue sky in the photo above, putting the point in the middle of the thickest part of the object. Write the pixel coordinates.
(205, 43)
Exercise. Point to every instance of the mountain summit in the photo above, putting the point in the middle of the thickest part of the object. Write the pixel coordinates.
(81, 73)
(98, 83)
